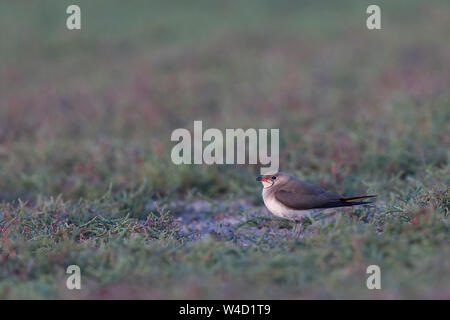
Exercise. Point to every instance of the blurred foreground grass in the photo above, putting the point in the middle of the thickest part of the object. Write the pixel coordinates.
(85, 124)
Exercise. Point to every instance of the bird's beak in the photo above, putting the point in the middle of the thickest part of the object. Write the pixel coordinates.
(261, 178)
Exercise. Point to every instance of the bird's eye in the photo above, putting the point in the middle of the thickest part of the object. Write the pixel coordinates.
(273, 177)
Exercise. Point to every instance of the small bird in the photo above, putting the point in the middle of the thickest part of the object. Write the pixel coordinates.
(289, 198)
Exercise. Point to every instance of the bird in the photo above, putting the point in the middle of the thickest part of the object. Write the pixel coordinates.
(290, 198)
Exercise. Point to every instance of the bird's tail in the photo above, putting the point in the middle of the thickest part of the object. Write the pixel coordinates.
(351, 199)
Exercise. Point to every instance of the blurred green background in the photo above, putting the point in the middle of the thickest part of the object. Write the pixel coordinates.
(79, 109)
(359, 110)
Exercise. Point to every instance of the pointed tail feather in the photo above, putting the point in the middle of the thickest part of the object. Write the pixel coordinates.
(357, 198)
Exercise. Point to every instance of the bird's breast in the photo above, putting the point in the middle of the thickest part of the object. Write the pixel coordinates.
(274, 206)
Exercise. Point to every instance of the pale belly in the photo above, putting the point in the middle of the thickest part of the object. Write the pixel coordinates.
(280, 210)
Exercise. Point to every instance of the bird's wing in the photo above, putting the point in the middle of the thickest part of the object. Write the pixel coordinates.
(299, 195)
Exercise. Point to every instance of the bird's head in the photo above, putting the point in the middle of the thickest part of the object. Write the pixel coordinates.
(270, 180)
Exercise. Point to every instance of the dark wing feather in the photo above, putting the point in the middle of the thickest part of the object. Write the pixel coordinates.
(299, 195)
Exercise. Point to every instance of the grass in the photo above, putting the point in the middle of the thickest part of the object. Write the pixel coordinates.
(85, 124)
